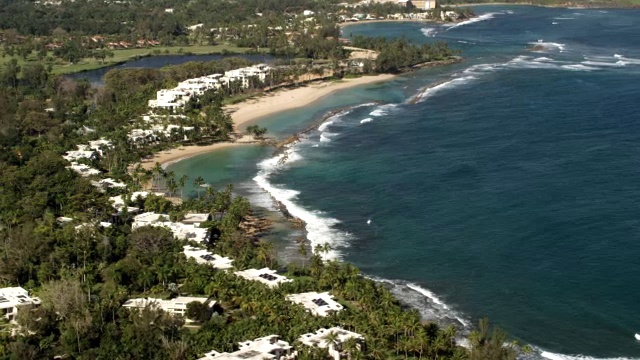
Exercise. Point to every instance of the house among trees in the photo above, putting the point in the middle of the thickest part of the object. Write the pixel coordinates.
(181, 231)
(202, 256)
(175, 306)
(333, 340)
(268, 347)
(265, 276)
(12, 298)
(319, 304)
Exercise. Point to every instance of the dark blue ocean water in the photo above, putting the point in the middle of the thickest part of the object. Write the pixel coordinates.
(505, 186)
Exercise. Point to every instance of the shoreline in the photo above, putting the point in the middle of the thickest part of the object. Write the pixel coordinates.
(252, 110)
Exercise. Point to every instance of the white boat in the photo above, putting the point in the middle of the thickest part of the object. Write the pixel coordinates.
(638, 337)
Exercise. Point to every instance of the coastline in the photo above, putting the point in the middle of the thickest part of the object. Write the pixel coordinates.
(269, 103)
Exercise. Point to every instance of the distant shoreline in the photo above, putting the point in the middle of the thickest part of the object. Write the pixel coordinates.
(559, 5)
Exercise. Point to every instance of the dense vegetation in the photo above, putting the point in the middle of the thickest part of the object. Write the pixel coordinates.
(397, 54)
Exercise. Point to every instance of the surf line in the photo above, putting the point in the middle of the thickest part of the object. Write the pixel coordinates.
(282, 147)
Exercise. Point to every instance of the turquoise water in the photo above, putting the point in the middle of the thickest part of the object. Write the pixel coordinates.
(508, 189)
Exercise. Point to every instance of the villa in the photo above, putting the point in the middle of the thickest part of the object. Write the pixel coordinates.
(265, 276)
(182, 231)
(319, 339)
(12, 298)
(176, 306)
(319, 304)
(268, 347)
(202, 256)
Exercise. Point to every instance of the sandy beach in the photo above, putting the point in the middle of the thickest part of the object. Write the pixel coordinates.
(287, 99)
(268, 104)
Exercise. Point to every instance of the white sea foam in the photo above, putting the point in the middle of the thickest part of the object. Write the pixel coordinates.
(549, 45)
(554, 23)
(378, 112)
(563, 18)
(426, 302)
(429, 32)
(383, 110)
(602, 63)
(326, 136)
(482, 17)
(437, 300)
(335, 118)
(554, 356)
(430, 91)
(320, 228)
(366, 120)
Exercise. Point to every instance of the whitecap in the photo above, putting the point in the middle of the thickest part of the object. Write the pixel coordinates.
(429, 32)
(430, 306)
(320, 228)
(338, 116)
(482, 17)
(549, 45)
(366, 120)
(554, 356)
(378, 112)
(431, 90)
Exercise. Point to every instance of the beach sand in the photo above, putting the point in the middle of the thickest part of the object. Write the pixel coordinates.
(268, 104)
(287, 99)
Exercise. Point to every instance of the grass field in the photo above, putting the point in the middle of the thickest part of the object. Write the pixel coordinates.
(119, 56)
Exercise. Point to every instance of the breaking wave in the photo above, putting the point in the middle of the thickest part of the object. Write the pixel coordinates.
(554, 356)
(433, 89)
(320, 228)
(483, 17)
(366, 120)
(427, 303)
(429, 32)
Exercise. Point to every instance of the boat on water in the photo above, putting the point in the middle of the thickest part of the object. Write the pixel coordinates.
(637, 336)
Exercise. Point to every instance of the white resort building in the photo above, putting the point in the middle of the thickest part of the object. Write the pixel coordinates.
(12, 298)
(180, 230)
(202, 256)
(268, 347)
(319, 339)
(119, 201)
(176, 306)
(319, 304)
(265, 276)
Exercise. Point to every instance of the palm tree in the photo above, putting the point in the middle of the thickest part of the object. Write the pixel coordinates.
(198, 182)
(157, 171)
(333, 341)
(181, 183)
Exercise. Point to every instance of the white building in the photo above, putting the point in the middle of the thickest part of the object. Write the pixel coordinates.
(202, 256)
(195, 218)
(119, 201)
(319, 339)
(170, 99)
(111, 183)
(83, 170)
(73, 156)
(265, 276)
(176, 306)
(181, 231)
(320, 304)
(268, 347)
(12, 298)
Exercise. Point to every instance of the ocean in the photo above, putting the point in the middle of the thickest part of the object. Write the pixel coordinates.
(505, 186)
